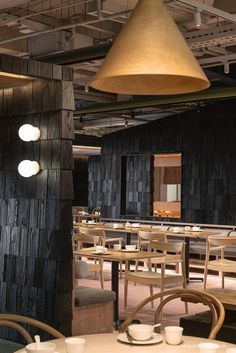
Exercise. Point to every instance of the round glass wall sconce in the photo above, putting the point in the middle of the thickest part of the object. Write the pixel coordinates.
(28, 168)
(29, 132)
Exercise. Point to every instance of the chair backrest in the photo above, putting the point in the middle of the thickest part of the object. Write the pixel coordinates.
(95, 236)
(96, 209)
(144, 235)
(168, 248)
(216, 307)
(215, 243)
(12, 321)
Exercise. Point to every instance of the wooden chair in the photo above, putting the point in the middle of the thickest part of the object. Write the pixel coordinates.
(217, 245)
(216, 308)
(98, 236)
(12, 321)
(82, 236)
(172, 253)
(144, 239)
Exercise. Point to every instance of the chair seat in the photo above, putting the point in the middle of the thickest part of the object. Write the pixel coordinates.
(88, 296)
(222, 265)
(7, 346)
(151, 277)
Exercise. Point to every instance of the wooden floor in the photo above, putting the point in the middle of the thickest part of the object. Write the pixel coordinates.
(137, 293)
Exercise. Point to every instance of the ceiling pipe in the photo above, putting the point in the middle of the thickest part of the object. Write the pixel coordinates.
(77, 55)
(64, 27)
(42, 12)
(210, 94)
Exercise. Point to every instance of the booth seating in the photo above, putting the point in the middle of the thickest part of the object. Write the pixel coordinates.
(93, 307)
(199, 325)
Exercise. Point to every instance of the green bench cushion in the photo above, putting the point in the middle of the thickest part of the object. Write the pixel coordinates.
(7, 346)
(87, 296)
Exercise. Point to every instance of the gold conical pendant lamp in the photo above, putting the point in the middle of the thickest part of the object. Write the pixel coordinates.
(150, 57)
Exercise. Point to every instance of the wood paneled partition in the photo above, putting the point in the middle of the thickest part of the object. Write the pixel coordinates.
(206, 140)
(35, 212)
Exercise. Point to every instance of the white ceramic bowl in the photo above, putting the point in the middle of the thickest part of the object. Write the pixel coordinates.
(141, 332)
(196, 229)
(176, 229)
(100, 249)
(44, 347)
(130, 247)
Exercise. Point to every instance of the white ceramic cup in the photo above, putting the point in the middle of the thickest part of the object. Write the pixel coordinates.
(74, 344)
(208, 347)
(117, 247)
(84, 221)
(130, 247)
(44, 347)
(173, 334)
(187, 228)
(141, 332)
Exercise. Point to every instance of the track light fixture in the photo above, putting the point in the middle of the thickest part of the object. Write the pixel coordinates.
(197, 18)
(226, 67)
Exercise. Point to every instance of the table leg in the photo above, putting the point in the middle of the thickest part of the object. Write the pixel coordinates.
(115, 288)
(187, 241)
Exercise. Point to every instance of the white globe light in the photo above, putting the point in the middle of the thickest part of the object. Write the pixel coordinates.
(28, 133)
(28, 168)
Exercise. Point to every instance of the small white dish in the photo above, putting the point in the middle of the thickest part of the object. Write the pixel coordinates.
(156, 338)
(127, 250)
(101, 253)
(208, 347)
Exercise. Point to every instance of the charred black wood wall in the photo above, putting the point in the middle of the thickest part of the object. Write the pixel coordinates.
(95, 182)
(80, 179)
(35, 212)
(206, 140)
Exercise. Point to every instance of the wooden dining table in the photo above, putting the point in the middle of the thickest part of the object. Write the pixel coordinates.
(116, 257)
(108, 342)
(128, 230)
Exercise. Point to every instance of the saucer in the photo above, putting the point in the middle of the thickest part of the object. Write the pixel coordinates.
(126, 250)
(101, 253)
(199, 230)
(156, 338)
(45, 351)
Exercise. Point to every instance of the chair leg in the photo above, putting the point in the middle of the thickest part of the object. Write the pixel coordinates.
(120, 269)
(125, 293)
(205, 278)
(151, 293)
(101, 274)
(222, 280)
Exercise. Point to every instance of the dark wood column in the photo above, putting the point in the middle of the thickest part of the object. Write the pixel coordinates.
(35, 212)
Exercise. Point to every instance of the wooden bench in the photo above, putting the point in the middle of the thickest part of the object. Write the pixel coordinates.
(199, 325)
(93, 307)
